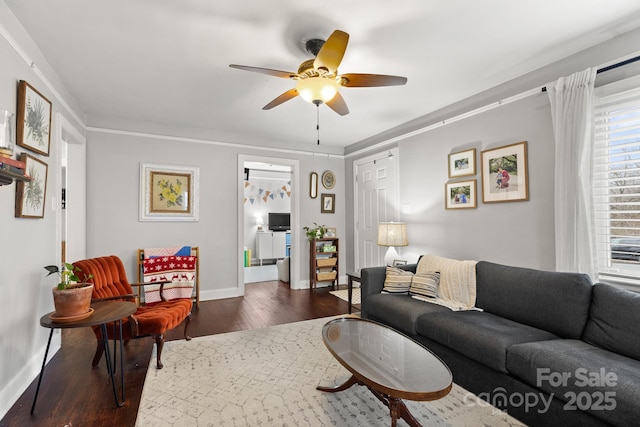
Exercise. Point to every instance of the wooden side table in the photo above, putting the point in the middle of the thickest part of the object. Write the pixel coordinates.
(351, 277)
(104, 312)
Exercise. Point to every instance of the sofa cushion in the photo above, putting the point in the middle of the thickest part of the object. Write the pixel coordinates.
(397, 281)
(425, 284)
(584, 376)
(483, 337)
(613, 320)
(399, 311)
(556, 302)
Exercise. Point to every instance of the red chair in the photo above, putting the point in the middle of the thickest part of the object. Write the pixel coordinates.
(110, 283)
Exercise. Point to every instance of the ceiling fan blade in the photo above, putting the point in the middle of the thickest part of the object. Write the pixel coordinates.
(332, 51)
(267, 71)
(370, 80)
(290, 94)
(338, 105)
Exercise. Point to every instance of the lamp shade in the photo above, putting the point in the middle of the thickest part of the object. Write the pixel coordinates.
(314, 89)
(392, 234)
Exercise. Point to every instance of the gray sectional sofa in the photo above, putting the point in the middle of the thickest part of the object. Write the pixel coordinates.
(548, 348)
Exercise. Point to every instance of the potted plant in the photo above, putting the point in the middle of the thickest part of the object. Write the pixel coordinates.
(316, 232)
(72, 295)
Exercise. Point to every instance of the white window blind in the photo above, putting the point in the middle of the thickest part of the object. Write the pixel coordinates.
(616, 182)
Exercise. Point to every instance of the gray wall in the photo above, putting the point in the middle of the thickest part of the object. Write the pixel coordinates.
(516, 233)
(112, 204)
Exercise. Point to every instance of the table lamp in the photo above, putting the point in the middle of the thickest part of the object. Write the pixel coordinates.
(392, 234)
(260, 223)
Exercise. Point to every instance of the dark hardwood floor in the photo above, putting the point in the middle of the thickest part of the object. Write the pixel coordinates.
(75, 394)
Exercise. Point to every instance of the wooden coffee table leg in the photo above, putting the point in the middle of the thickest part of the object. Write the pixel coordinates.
(397, 409)
(351, 381)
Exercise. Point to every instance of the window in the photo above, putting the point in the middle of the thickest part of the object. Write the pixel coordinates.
(616, 181)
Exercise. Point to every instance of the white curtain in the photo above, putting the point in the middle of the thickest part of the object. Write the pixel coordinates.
(572, 111)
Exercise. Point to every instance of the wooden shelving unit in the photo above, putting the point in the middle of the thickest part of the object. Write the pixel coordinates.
(323, 264)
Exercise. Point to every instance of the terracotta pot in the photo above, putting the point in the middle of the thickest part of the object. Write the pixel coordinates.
(73, 301)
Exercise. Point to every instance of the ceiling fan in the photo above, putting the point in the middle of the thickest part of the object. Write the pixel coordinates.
(318, 81)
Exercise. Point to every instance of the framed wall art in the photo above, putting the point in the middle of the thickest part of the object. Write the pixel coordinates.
(168, 193)
(504, 174)
(313, 185)
(33, 122)
(462, 163)
(460, 195)
(31, 195)
(328, 179)
(330, 232)
(328, 203)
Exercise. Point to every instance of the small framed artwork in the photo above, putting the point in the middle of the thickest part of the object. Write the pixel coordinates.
(462, 163)
(313, 185)
(397, 262)
(504, 174)
(460, 195)
(331, 232)
(33, 123)
(168, 193)
(328, 179)
(31, 195)
(328, 203)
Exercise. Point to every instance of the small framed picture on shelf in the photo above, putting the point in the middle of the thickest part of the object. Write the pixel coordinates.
(328, 248)
(330, 233)
(397, 262)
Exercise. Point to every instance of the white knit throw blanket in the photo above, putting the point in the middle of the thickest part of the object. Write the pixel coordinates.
(457, 289)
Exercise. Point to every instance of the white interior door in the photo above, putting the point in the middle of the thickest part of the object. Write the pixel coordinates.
(376, 188)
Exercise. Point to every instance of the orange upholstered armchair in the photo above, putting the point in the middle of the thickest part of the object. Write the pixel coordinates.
(110, 283)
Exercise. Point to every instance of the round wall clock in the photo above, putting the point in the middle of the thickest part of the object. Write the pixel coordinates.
(328, 179)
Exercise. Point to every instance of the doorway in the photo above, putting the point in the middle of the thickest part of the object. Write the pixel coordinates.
(268, 208)
(72, 206)
(377, 200)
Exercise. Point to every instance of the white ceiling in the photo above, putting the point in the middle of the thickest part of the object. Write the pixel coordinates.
(166, 61)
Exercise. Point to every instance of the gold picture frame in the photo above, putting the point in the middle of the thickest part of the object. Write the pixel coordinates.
(313, 185)
(462, 163)
(33, 121)
(328, 203)
(168, 193)
(510, 161)
(32, 195)
(460, 195)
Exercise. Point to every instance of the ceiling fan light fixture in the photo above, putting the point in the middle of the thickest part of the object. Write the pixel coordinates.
(314, 89)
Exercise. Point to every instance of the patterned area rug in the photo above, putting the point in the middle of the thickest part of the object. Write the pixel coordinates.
(343, 295)
(268, 377)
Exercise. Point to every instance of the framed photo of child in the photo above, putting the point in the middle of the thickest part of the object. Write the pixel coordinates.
(505, 174)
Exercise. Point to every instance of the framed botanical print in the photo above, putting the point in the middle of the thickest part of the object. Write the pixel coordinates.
(328, 203)
(504, 174)
(31, 195)
(33, 123)
(168, 193)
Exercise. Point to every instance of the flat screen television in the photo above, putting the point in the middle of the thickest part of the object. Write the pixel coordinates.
(279, 221)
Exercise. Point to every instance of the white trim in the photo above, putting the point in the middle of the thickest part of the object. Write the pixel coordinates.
(212, 142)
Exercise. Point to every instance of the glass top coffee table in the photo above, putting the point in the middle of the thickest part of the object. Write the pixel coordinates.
(390, 364)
